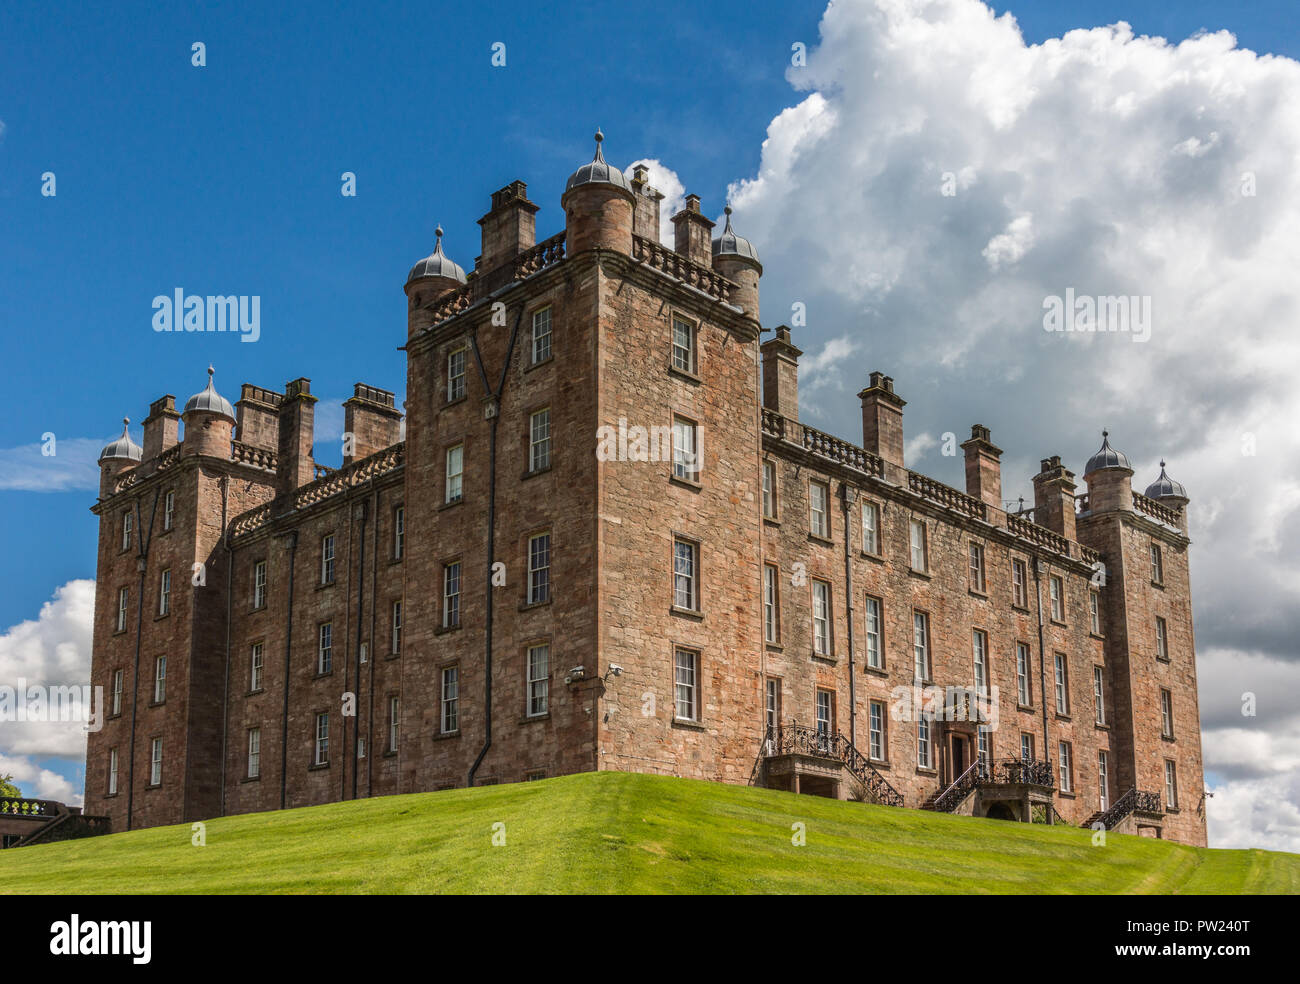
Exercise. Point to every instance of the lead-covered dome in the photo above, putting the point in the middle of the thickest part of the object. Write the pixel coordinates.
(730, 244)
(599, 171)
(123, 449)
(1165, 487)
(437, 264)
(1107, 457)
(210, 401)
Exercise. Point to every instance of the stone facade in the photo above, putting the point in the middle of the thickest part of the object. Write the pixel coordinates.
(646, 607)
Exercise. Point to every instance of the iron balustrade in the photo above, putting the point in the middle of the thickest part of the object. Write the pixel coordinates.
(799, 739)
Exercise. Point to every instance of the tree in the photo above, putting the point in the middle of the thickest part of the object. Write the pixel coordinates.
(8, 788)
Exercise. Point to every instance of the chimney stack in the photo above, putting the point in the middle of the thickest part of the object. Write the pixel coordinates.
(295, 466)
(256, 417)
(645, 215)
(781, 374)
(693, 233)
(983, 467)
(882, 425)
(372, 421)
(161, 427)
(1054, 497)
(509, 228)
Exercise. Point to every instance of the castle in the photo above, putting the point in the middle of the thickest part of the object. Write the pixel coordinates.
(484, 599)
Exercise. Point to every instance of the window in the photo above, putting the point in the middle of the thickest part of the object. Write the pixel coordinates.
(455, 472)
(921, 645)
(112, 772)
(541, 335)
(876, 733)
(1062, 685)
(393, 718)
(871, 528)
(450, 699)
(683, 345)
(686, 461)
(1094, 612)
(257, 662)
(165, 593)
(1162, 639)
(399, 532)
(155, 762)
(322, 755)
(128, 520)
(980, 651)
(773, 704)
(686, 665)
(259, 584)
(984, 746)
(122, 596)
(117, 691)
(1057, 592)
(160, 680)
(254, 752)
(1066, 767)
(1099, 693)
(539, 679)
(1171, 785)
(825, 712)
(1024, 692)
(327, 559)
(539, 568)
(875, 640)
(1157, 565)
(539, 440)
(686, 575)
(819, 522)
(924, 750)
(821, 617)
(1166, 714)
(169, 509)
(397, 627)
(1019, 584)
(771, 603)
(920, 560)
(361, 748)
(325, 648)
(456, 374)
(1103, 781)
(977, 568)
(451, 595)
(1026, 747)
(769, 490)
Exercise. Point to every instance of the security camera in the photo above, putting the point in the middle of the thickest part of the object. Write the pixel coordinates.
(615, 669)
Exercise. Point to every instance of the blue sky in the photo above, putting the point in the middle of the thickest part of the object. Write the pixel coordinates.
(225, 179)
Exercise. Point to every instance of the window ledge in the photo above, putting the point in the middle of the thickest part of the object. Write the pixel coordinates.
(772, 521)
(451, 403)
(982, 595)
(389, 753)
(826, 658)
(774, 647)
(443, 735)
(686, 723)
(1096, 635)
(691, 613)
(1020, 608)
(321, 676)
(868, 555)
(391, 656)
(1158, 584)
(1162, 659)
(325, 584)
(824, 540)
(257, 778)
(879, 671)
(254, 693)
(913, 572)
(158, 703)
(1065, 794)
(534, 718)
(318, 766)
(1169, 738)
(1058, 622)
(159, 618)
(525, 606)
(1100, 726)
(152, 785)
(533, 473)
(1025, 707)
(449, 505)
(685, 375)
(685, 483)
(922, 770)
(537, 365)
(1063, 717)
(444, 629)
(119, 632)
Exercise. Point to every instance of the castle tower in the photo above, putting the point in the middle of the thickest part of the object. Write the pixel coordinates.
(431, 279)
(737, 260)
(116, 458)
(598, 207)
(209, 422)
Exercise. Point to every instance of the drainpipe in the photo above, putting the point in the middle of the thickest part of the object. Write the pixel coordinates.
(370, 675)
(1042, 653)
(848, 496)
(494, 412)
(347, 671)
(141, 564)
(225, 693)
(288, 649)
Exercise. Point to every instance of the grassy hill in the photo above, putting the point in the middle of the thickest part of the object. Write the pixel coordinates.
(614, 832)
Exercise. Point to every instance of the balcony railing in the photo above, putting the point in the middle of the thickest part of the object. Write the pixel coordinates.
(1017, 772)
(654, 254)
(799, 739)
(945, 495)
(1158, 512)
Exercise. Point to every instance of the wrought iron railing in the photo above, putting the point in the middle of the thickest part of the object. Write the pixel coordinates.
(962, 786)
(1134, 801)
(799, 739)
(1023, 771)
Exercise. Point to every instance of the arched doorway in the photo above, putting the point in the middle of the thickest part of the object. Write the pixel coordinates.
(1000, 811)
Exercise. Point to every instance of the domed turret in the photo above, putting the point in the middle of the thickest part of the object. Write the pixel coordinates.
(599, 171)
(598, 206)
(437, 264)
(1165, 487)
(730, 245)
(736, 259)
(123, 449)
(1106, 457)
(210, 401)
(209, 422)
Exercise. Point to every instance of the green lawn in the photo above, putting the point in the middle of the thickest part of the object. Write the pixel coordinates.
(613, 832)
